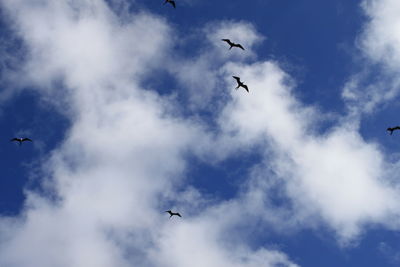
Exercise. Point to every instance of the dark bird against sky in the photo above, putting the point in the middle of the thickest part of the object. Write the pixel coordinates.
(391, 129)
(20, 140)
(172, 2)
(240, 84)
(233, 44)
(173, 213)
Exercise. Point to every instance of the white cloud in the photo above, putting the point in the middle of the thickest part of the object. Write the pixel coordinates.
(377, 83)
(201, 76)
(123, 160)
(174, 244)
(337, 177)
(381, 37)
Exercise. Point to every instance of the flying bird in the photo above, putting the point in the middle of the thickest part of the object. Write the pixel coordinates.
(233, 44)
(173, 213)
(20, 140)
(391, 129)
(240, 84)
(172, 2)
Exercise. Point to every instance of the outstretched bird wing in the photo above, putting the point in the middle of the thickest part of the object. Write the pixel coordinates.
(240, 46)
(26, 139)
(14, 139)
(237, 79)
(228, 41)
(177, 214)
(245, 87)
(171, 2)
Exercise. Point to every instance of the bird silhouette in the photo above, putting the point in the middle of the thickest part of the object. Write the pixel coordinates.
(391, 129)
(173, 213)
(172, 2)
(233, 44)
(240, 84)
(20, 140)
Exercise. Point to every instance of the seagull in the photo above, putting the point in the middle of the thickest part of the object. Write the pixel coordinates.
(20, 140)
(240, 84)
(233, 44)
(172, 2)
(392, 129)
(173, 213)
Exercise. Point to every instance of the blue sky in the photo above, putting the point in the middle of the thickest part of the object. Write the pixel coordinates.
(132, 111)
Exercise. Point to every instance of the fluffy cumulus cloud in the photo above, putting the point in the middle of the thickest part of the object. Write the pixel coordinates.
(109, 182)
(379, 43)
(337, 177)
(125, 156)
(381, 40)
